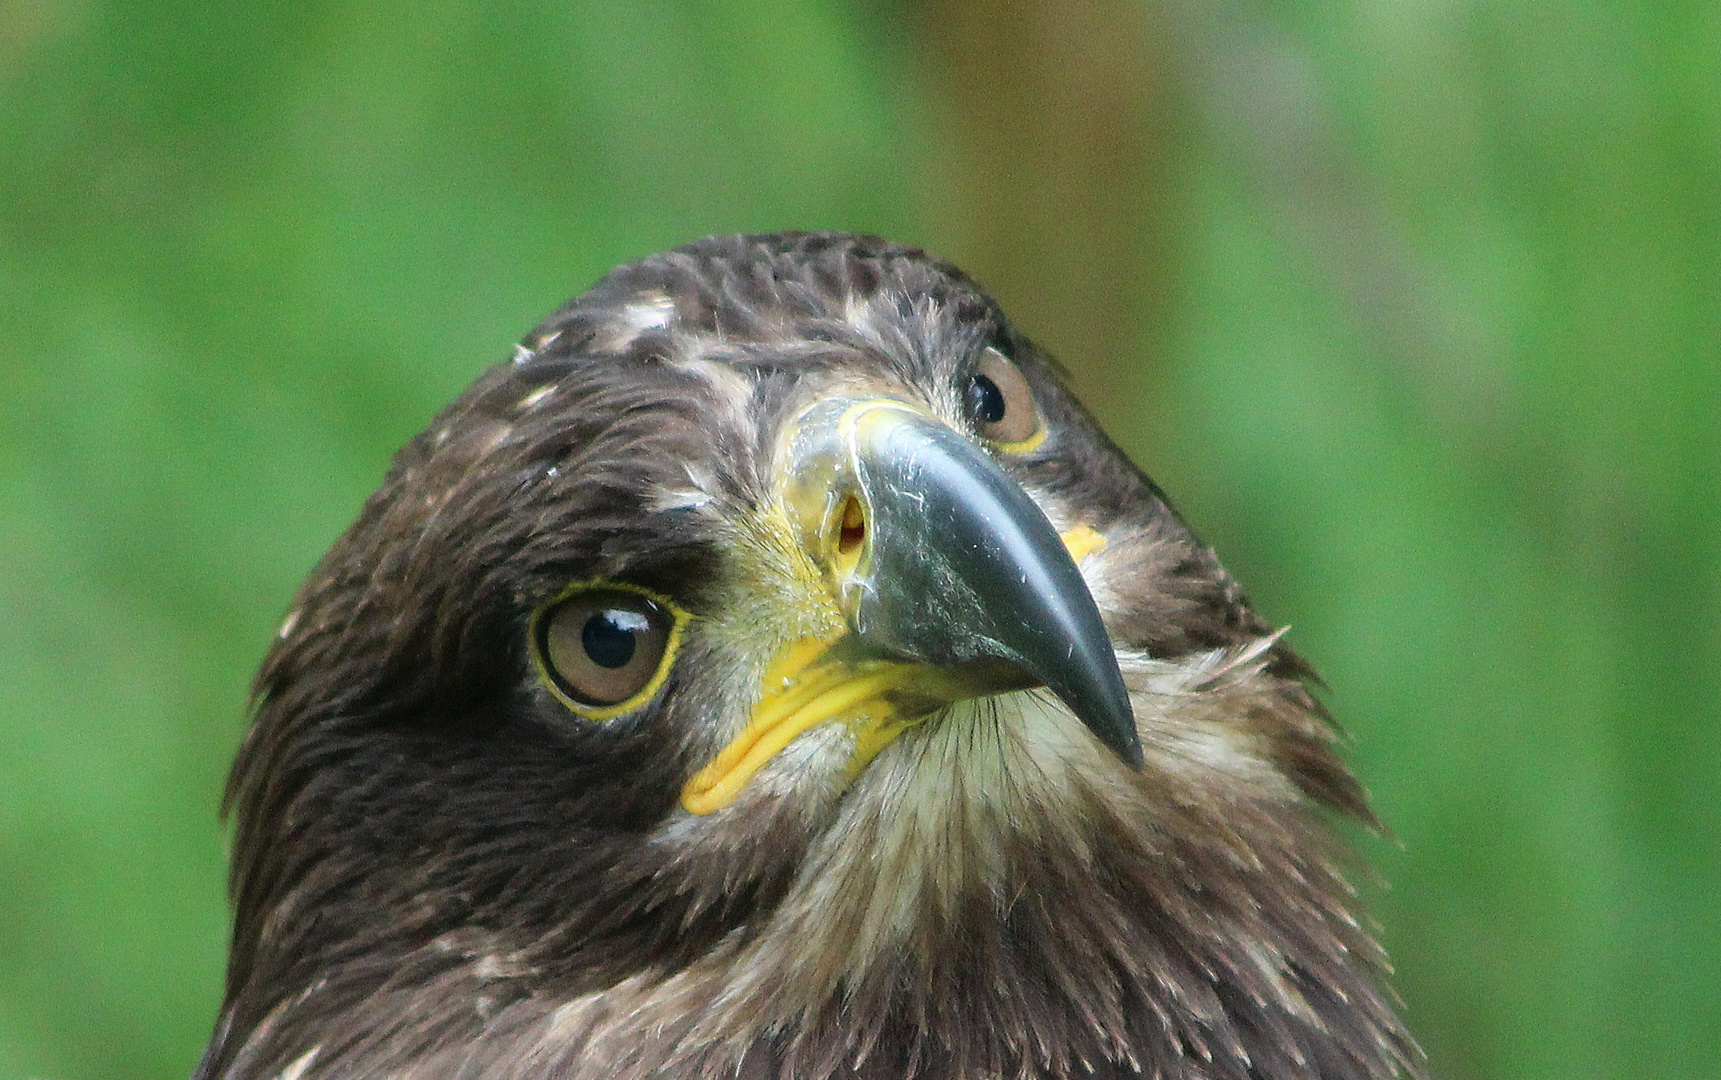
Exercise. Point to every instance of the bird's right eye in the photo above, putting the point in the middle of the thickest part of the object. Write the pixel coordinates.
(604, 651)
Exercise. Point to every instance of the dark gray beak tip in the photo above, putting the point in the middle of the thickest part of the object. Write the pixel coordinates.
(1129, 749)
(1101, 701)
(966, 568)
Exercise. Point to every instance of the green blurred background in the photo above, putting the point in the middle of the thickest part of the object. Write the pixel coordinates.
(1412, 304)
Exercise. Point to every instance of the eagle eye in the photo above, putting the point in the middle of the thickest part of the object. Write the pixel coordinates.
(605, 649)
(1001, 403)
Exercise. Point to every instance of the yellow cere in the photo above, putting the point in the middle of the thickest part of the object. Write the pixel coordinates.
(803, 687)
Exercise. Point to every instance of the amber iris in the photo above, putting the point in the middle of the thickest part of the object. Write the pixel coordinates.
(602, 646)
(1000, 401)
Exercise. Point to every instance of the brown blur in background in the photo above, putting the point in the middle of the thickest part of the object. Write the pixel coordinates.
(1412, 306)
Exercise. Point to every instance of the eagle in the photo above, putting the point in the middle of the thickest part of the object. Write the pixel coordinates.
(771, 671)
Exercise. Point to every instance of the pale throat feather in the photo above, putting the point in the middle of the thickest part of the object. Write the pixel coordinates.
(930, 824)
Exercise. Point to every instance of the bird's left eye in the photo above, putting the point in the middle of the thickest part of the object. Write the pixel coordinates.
(1001, 403)
(604, 650)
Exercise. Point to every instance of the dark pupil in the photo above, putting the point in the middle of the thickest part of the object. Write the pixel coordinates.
(608, 637)
(985, 400)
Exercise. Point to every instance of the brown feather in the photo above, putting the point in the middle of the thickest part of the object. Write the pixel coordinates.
(439, 871)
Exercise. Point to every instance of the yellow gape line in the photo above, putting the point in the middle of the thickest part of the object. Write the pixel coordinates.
(875, 727)
(802, 689)
(1081, 542)
(795, 699)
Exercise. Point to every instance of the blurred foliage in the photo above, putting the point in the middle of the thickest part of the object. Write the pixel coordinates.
(1413, 306)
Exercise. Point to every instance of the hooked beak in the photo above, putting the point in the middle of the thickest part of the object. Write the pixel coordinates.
(952, 582)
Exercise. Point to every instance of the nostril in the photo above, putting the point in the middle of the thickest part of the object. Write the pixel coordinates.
(852, 533)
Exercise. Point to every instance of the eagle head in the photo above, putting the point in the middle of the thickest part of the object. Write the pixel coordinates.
(773, 672)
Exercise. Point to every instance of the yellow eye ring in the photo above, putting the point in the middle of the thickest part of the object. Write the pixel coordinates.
(1022, 446)
(1001, 404)
(604, 648)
